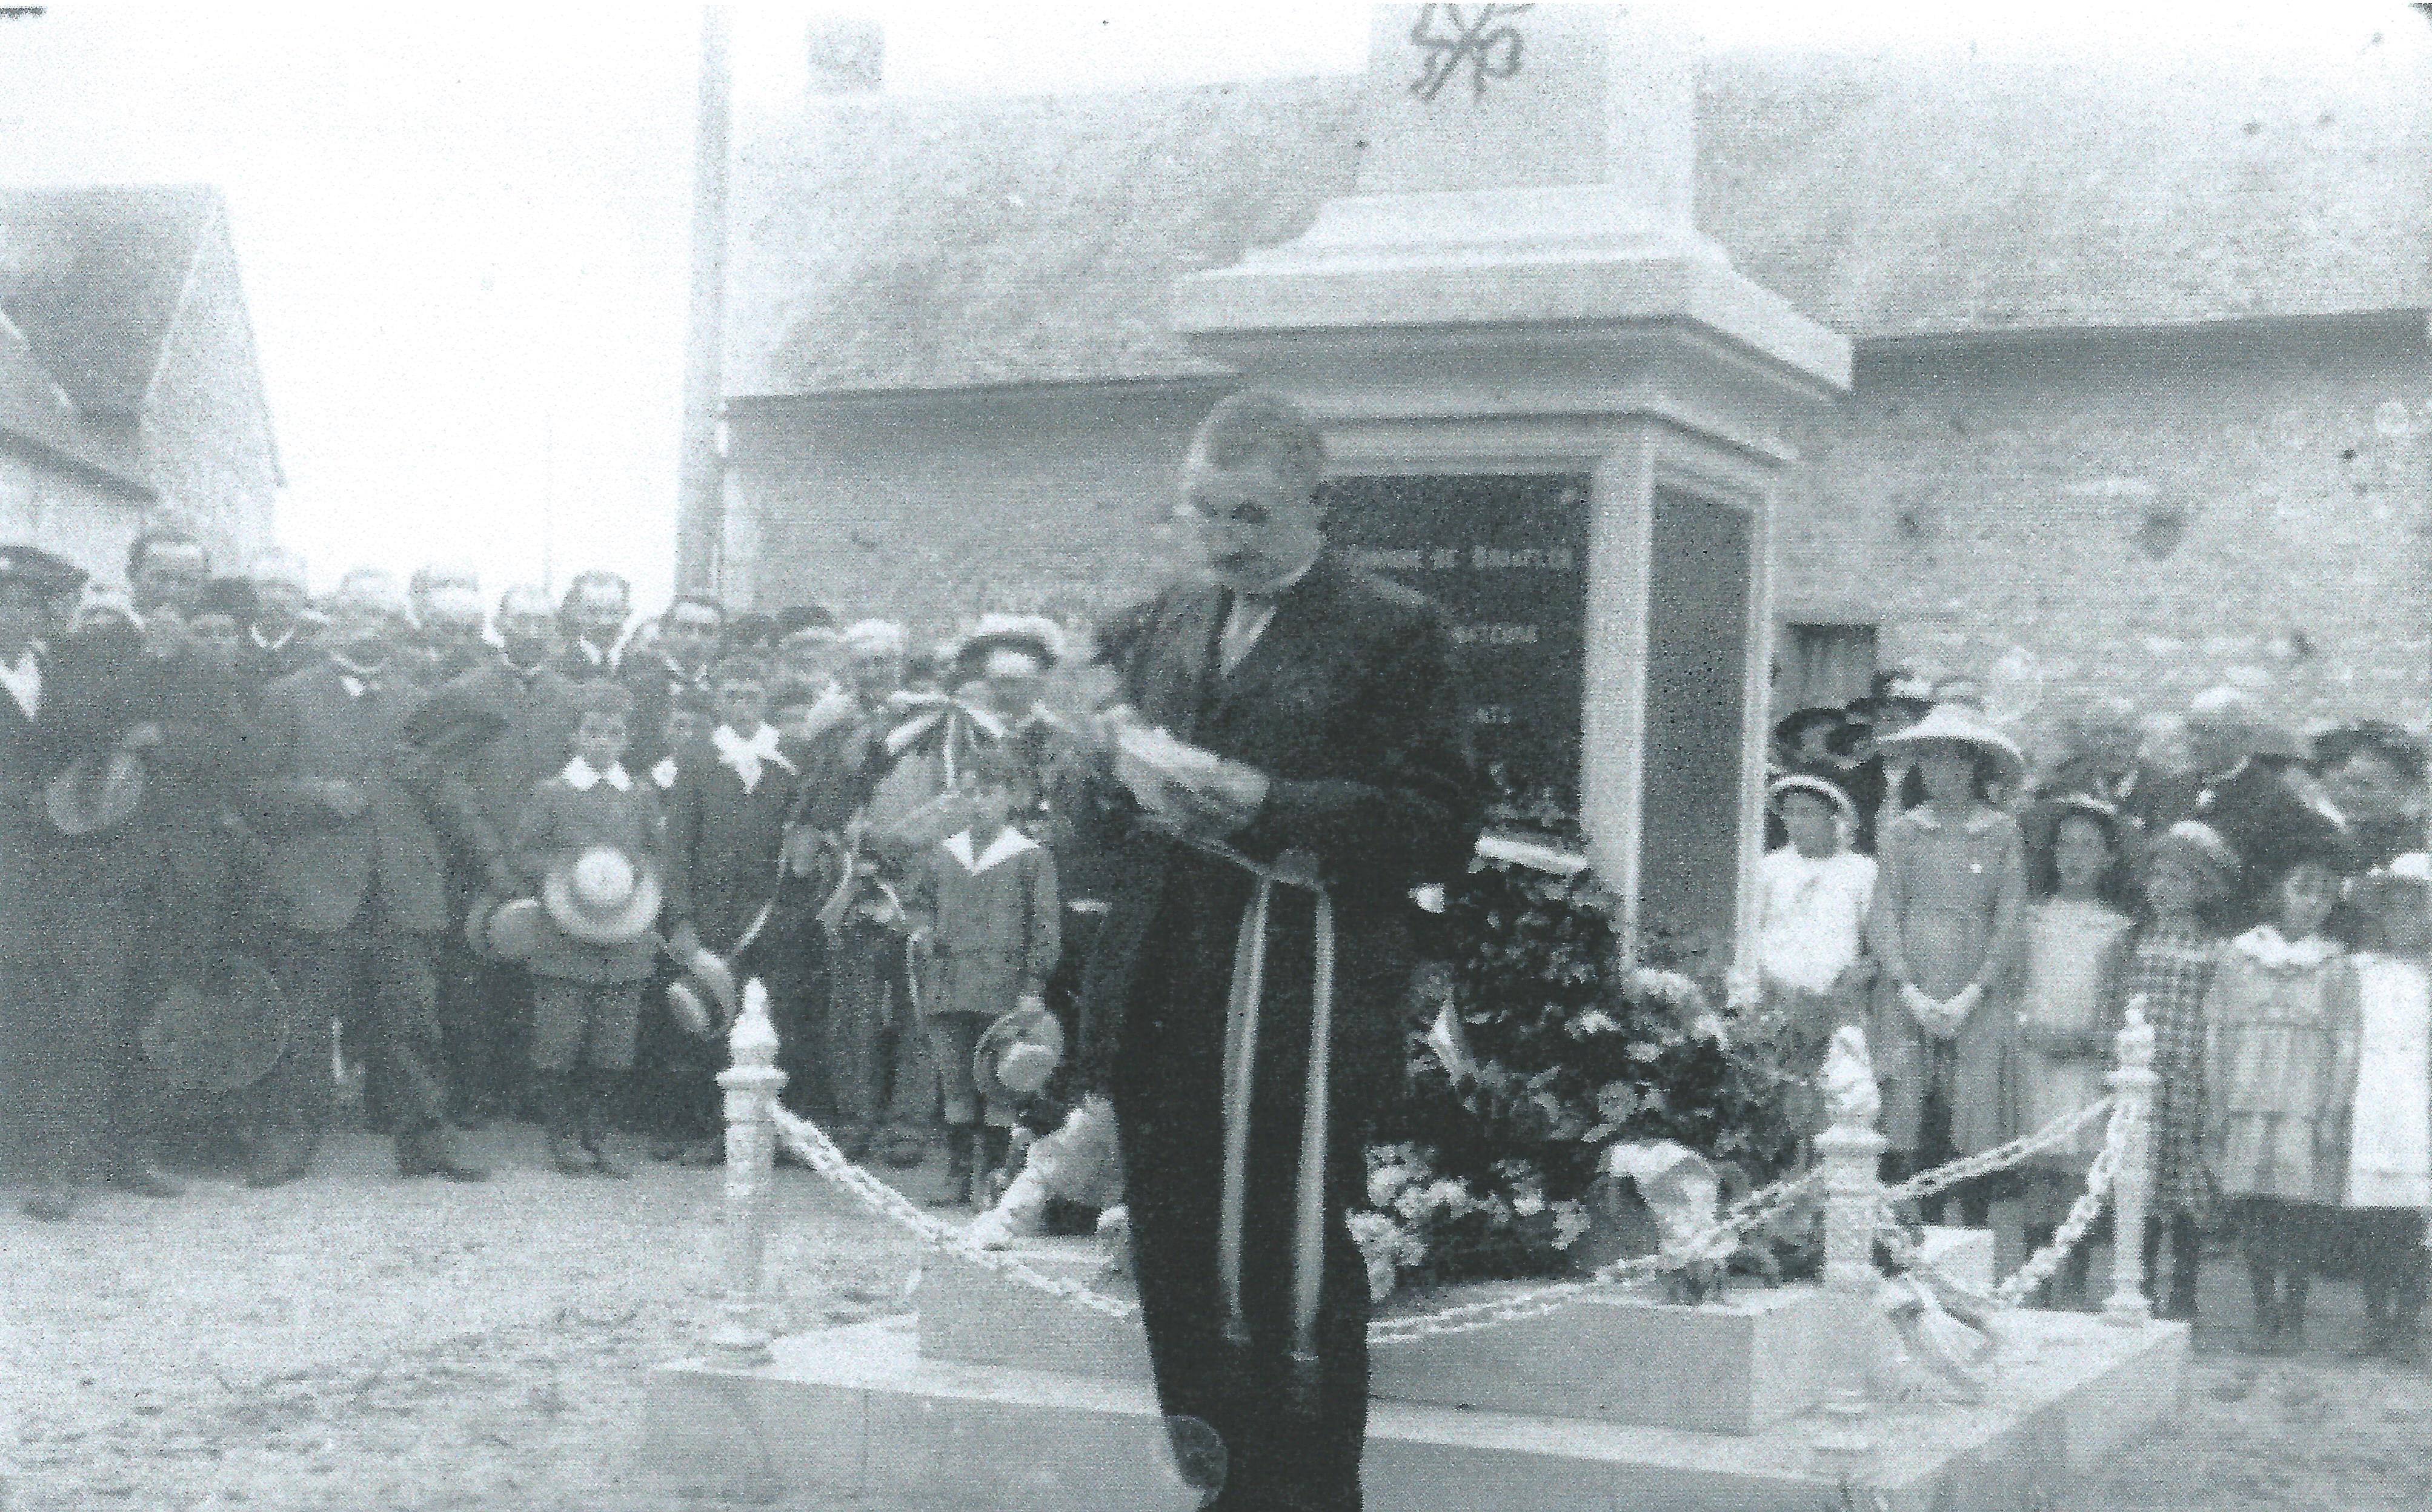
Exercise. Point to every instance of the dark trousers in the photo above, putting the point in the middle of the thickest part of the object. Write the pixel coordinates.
(674, 1091)
(1169, 1116)
(374, 980)
(2384, 1250)
(80, 1076)
(877, 1060)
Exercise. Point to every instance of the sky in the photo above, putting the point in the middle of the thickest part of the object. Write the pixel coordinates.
(464, 228)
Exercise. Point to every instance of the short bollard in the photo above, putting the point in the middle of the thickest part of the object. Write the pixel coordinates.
(741, 1340)
(2132, 1182)
(1850, 1152)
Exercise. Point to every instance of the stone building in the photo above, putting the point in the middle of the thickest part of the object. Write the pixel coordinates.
(2141, 396)
(128, 378)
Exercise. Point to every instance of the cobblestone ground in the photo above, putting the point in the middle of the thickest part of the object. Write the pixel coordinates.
(359, 1342)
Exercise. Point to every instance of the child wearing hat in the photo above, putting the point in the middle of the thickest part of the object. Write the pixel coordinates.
(2389, 1144)
(2281, 1033)
(1947, 924)
(2166, 968)
(1811, 933)
(2073, 940)
(990, 921)
(589, 844)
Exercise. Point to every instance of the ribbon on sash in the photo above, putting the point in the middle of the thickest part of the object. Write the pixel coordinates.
(1292, 869)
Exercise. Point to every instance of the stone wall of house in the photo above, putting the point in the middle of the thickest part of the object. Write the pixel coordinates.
(936, 508)
(2143, 512)
(66, 513)
(206, 435)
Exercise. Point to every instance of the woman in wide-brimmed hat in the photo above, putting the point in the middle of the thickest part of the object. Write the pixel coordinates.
(1946, 926)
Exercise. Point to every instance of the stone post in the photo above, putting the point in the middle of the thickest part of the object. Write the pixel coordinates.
(742, 1338)
(2131, 1183)
(1850, 1152)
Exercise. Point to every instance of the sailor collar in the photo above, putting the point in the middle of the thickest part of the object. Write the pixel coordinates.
(2266, 946)
(1007, 845)
(582, 776)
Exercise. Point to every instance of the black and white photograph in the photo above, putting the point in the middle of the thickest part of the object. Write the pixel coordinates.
(924, 756)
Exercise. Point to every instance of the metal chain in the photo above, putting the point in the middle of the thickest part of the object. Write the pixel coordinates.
(809, 1141)
(2001, 1157)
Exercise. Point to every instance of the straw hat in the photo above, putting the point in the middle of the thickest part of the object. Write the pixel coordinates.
(94, 794)
(705, 997)
(602, 896)
(503, 929)
(1956, 724)
(1802, 782)
(1018, 1053)
(221, 1033)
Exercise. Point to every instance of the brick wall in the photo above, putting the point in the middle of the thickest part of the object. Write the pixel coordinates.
(1986, 504)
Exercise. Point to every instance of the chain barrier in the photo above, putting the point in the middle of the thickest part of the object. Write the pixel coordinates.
(809, 1141)
(2013, 1289)
(2001, 1157)
(812, 1143)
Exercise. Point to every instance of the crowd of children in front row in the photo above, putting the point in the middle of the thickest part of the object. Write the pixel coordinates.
(2292, 1011)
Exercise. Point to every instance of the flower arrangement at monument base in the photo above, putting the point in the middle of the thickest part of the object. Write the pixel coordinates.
(1493, 1163)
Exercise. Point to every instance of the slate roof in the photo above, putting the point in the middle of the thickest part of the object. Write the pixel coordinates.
(91, 279)
(883, 242)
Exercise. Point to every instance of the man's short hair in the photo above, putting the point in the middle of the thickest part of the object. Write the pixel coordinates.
(864, 637)
(374, 588)
(1255, 425)
(804, 616)
(793, 693)
(603, 695)
(433, 576)
(708, 601)
(739, 670)
(532, 593)
(596, 576)
(142, 547)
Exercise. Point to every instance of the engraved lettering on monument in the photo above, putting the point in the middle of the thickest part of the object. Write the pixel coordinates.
(1505, 556)
(1452, 35)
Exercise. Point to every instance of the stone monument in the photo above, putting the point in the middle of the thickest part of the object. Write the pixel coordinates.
(1554, 407)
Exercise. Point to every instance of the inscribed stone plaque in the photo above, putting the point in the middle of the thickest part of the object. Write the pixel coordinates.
(1505, 556)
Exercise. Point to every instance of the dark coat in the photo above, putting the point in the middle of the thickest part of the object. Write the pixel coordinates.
(559, 823)
(724, 843)
(1347, 703)
(2264, 820)
(322, 869)
(259, 665)
(536, 718)
(186, 838)
(655, 682)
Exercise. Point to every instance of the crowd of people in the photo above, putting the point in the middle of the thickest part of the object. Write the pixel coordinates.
(2266, 907)
(476, 862)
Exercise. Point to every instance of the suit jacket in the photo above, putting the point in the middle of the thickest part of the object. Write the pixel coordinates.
(655, 682)
(724, 843)
(539, 717)
(194, 786)
(261, 665)
(322, 869)
(1347, 703)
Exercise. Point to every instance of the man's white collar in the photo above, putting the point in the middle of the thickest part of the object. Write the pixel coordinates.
(582, 776)
(2268, 947)
(1008, 843)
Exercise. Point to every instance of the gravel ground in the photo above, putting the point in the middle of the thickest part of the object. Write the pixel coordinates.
(361, 1342)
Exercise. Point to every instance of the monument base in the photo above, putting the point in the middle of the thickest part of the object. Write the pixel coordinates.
(855, 1416)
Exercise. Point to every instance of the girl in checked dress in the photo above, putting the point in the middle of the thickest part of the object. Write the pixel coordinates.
(2166, 968)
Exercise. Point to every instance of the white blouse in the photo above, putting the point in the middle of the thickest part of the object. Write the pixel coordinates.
(2389, 1149)
(1814, 914)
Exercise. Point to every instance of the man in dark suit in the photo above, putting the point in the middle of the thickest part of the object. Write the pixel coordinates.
(591, 621)
(2240, 786)
(509, 727)
(348, 807)
(277, 643)
(67, 1042)
(676, 664)
(1326, 698)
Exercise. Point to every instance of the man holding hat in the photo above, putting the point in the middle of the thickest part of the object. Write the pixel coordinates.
(63, 925)
(348, 806)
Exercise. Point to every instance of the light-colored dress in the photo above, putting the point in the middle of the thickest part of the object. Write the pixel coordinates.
(2280, 1066)
(2072, 948)
(2389, 1152)
(1950, 903)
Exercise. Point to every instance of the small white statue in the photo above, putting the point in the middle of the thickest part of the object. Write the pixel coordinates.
(1848, 1080)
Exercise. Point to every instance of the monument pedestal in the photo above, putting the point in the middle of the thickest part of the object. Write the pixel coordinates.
(1517, 308)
